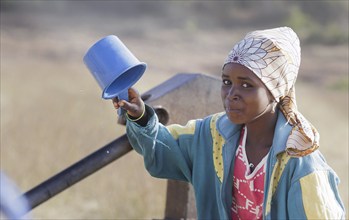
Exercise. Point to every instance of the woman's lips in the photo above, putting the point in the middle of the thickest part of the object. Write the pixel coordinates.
(233, 110)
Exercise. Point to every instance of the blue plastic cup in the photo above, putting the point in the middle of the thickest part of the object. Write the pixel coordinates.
(114, 67)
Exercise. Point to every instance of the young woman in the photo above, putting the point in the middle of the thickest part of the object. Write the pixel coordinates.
(256, 160)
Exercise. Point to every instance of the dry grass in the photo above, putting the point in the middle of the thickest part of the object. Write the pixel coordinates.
(52, 114)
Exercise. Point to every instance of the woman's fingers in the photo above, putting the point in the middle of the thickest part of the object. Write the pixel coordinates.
(116, 102)
(134, 106)
(132, 109)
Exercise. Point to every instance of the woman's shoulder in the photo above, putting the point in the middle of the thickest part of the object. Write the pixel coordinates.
(312, 163)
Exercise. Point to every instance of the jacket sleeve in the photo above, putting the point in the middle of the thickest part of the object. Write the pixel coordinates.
(316, 196)
(166, 150)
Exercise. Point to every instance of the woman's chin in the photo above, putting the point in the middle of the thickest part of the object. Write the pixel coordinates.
(236, 119)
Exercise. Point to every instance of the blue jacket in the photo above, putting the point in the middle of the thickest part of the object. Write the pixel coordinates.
(203, 153)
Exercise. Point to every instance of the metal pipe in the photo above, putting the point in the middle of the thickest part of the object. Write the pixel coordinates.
(78, 171)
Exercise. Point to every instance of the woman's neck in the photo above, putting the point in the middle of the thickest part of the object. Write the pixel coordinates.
(260, 132)
(259, 138)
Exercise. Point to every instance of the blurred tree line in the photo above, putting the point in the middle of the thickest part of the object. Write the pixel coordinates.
(316, 21)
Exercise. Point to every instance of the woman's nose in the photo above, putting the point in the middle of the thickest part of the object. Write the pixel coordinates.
(233, 94)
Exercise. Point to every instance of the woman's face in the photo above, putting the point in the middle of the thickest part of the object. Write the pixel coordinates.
(245, 97)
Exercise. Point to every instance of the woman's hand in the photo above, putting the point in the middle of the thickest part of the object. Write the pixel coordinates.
(134, 106)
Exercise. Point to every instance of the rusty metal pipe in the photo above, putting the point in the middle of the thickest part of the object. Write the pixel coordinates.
(78, 171)
(85, 167)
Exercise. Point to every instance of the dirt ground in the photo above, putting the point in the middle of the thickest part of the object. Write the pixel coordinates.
(52, 114)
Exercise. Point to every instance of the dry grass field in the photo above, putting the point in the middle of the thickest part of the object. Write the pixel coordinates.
(52, 114)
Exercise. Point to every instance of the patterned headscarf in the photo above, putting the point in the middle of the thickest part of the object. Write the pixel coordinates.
(274, 55)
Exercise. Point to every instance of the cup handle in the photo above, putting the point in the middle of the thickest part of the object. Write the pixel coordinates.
(123, 95)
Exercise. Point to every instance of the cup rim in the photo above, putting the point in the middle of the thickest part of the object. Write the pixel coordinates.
(104, 94)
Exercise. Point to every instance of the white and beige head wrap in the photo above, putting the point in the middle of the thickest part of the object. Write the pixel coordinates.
(274, 55)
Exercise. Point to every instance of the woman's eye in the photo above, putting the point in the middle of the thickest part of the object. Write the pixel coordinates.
(245, 85)
(226, 82)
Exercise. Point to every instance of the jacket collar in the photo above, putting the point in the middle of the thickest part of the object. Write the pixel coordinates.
(282, 130)
(227, 128)
(281, 134)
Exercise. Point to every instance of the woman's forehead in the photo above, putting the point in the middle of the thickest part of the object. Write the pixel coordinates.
(239, 71)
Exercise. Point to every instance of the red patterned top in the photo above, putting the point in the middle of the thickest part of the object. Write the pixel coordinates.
(248, 188)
